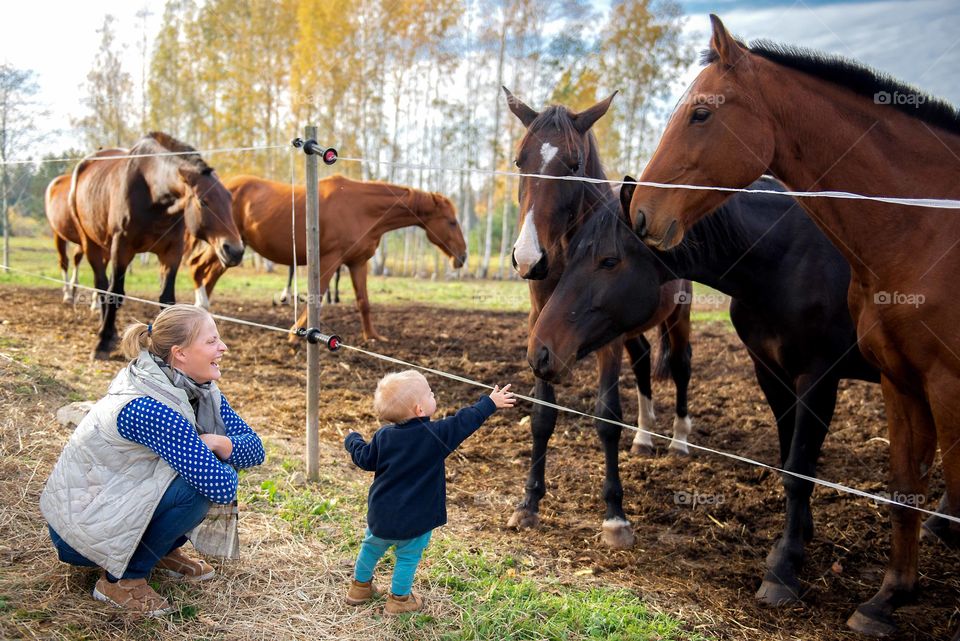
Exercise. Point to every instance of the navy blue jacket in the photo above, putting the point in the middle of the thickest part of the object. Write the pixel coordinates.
(409, 492)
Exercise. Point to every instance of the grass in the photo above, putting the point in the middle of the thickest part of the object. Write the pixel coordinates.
(36, 256)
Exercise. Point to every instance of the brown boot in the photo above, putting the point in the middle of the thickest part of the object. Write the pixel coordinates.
(183, 568)
(133, 595)
(361, 592)
(402, 604)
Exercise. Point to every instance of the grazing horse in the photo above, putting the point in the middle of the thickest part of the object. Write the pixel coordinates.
(822, 123)
(560, 143)
(353, 217)
(762, 251)
(64, 227)
(130, 201)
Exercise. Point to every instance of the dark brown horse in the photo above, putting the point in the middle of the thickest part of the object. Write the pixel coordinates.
(64, 227)
(821, 123)
(353, 217)
(560, 143)
(130, 201)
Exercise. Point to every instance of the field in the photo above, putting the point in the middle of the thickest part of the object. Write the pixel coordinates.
(691, 575)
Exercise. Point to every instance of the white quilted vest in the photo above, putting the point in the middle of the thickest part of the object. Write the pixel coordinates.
(104, 489)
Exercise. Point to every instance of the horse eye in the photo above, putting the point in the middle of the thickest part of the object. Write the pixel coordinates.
(700, 114)
(609, 263)
(516, 161)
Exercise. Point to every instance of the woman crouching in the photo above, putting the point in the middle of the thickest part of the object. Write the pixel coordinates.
(142, 469)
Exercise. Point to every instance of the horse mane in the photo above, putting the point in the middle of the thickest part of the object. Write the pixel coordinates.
(160, 142)
(856, 77)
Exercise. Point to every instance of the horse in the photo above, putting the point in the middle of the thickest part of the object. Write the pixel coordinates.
(761, 250)
(826, 123)
(560, 143)
(130, 201)
(333, 293)
(64, 227)
(353, 216)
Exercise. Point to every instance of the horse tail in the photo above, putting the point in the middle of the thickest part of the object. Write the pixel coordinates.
(661, 371)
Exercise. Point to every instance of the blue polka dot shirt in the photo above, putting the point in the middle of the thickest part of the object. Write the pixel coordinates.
(168, 433)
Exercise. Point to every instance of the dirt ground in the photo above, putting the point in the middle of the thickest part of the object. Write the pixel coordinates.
(702, 563)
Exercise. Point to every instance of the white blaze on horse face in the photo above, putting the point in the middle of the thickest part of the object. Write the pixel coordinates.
(547, 152)
(527, 250)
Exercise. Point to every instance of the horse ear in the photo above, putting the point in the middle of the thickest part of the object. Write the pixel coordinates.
(519, 109)
(626, 195)
(585, 119)
(188, 173)
(728, 49)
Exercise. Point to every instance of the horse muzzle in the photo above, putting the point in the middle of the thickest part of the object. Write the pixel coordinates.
(458, 261)
(546, 366)
(537, 271)
(230, 255)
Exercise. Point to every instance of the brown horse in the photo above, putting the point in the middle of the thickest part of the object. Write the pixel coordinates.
(560, 143)
(64, 227)
(353, 217)
(130, 201)
(821, 123)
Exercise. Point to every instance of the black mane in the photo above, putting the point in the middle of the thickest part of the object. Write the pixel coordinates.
(856, 77)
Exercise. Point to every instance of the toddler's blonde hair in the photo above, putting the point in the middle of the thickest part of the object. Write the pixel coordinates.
(397, 394)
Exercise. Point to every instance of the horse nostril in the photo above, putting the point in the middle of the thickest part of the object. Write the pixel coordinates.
(640, 226)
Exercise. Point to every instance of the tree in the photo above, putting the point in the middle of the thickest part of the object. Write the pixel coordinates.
(109, 94)
(17, 129)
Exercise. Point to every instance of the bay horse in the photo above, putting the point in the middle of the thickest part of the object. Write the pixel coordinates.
(560, 143)
(825, 123)
(761, 250)
(64, 227)
(126, 201)
(353, 216)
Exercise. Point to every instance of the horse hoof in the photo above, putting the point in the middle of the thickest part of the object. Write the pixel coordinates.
(100, 355)
(523, 519)
(776, 595)
(678, 453)
(617, 534)
(871, 626)
(641, 450)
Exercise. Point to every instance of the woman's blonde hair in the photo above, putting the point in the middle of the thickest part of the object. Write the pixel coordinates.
(175, 325)
(397, 394)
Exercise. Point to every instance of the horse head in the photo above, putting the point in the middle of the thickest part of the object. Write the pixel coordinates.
(207, 212)
(439, 218)
(558, 143)
(721, 135)
(610, 285)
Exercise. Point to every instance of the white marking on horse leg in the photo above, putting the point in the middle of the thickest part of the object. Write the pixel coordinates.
(614, 523)
(201, 298)
(547, 152)
(285, 295)
(681, 430)
(527, 251)
(67, 297)
(646, 421)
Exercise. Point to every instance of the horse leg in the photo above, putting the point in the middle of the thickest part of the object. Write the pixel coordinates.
(285, 294)
(336, 287)
(801, 440)
(913, 443)
(681, 354)
(948, 437)
(543, 420)
(358, 275)
(75, 277)
(212, 271)
(61, 244)
(120, 257)
(616, 529)
(639, 350)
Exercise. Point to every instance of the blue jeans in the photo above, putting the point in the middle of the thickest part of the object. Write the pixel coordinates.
(180, 510)
(408, 553)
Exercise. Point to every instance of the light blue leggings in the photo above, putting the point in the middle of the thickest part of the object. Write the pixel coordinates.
(408, 553)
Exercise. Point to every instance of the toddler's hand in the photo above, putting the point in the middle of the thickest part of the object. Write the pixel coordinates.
(502, 398)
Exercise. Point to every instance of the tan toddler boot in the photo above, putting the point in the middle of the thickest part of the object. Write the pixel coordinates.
(402, 604)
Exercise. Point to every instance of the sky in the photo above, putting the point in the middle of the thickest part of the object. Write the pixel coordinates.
(916, 41)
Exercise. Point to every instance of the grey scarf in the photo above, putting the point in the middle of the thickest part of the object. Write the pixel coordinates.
(200, 396)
